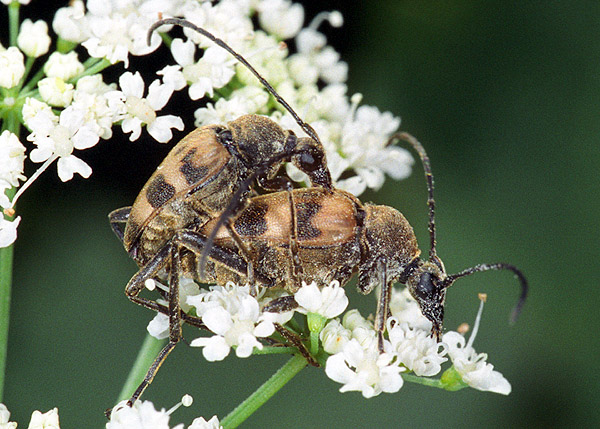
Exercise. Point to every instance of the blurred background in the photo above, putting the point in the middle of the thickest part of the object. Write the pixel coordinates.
(506, 99)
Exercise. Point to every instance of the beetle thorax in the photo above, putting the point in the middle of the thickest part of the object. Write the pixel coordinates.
(257, 139)
(388, 234)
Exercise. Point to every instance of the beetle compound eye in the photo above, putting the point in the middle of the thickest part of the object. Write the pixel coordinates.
(426, 288)
(226, 137)
(310, 160)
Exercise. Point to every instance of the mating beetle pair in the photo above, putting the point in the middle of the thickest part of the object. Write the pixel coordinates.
(196, 216)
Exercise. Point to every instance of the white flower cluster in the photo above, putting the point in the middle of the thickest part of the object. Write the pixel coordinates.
(143, 415)
(356, 364)
(68, 107)
(236, 319)
(39, 420)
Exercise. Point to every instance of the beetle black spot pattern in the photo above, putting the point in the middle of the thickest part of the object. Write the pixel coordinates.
(305, 211)
(159, 192)
(252, 222)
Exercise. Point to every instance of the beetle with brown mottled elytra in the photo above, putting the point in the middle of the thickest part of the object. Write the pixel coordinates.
(331, 237)
(208, 173)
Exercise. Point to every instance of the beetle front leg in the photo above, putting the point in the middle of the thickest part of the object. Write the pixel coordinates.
(383, 302)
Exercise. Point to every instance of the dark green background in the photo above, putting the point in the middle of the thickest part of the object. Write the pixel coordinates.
(506, 99)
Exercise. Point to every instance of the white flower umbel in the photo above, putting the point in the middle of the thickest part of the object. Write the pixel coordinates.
(416, 349)
(329, 301)
(48, 420)
(12, 66)
(33, 38)
(364, 370)
(235, 317)
(57, 141)
(364, 144)
(471, 366)
(5, 422)
(212, 71)
(135, 110)
(142, 415)
(116, 29)
(200, 423)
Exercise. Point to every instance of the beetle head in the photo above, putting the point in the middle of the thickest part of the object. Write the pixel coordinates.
(427, 283)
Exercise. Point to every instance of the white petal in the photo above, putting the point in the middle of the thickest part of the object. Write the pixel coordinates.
(264, 329)
(85, 138)
(337, 370)
(160, 128)
(71, 164)
(159, 326)
(215, 348)
(132, 84)
(8, 231)
(133, 126)
(183, 52)
(217, 320)
(159, 94)
(246, 344)
(309, 297)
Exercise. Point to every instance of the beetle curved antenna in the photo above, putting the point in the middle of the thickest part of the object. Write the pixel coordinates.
(233, 206)
(184, 23)
(418, 147)
(500, 266)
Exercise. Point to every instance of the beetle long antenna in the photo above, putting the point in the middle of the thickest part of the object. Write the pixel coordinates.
(184, 23)
(418, 147)
(500, 266)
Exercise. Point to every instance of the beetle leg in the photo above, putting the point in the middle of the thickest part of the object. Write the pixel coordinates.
(281, 304)
(159, 308)
(383, 302)
(118, 219)
(246, 254)
(196, 242)
(296, 341)
(174, 324)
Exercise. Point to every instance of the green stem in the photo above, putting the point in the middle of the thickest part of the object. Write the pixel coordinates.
(431, 382)
(314, 343)
(264, 392)
(6, 258)
(6, 263)
(13, 22)
(93, 69)
(148, 352)
(272, 350)
(32, 82)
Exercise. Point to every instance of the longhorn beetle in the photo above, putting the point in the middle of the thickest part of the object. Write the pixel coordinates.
(194, 184)
(332, 236)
